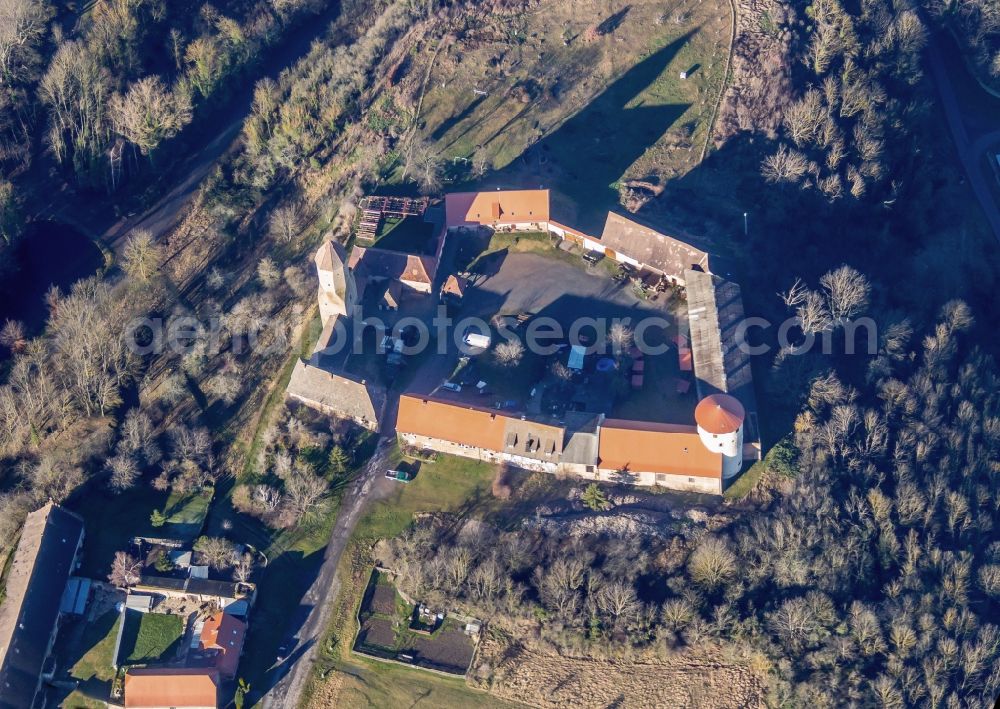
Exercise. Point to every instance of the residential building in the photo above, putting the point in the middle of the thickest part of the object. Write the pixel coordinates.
(45, 557)
(502, 210)
(412, 270)
(224, 634)
(171, 688)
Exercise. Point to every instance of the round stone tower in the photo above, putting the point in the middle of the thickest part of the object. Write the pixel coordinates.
(720, 426)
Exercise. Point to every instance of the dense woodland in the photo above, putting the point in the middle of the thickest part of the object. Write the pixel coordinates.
(101, 90)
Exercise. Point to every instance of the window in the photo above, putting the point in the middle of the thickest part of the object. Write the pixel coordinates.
(690, 480)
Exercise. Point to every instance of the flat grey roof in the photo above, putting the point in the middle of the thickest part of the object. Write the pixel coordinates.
(715, 310)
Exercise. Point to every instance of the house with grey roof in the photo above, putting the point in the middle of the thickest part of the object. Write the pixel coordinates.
(45, 557)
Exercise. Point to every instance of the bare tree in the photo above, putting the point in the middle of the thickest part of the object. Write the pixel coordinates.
(12, 336)
(126, 570)
(23, 24)
(124, 472)
(141, 255)
(621, 337)
(287, 222)
(814, 313)
(509, 353)
(217, 552)
(785, 166)
(712, 563)
(847, 292)
(138, 437)
(618, 600)
(149, 113)
(804, 118)
(305, 492)
(243, 567)
(267, 272)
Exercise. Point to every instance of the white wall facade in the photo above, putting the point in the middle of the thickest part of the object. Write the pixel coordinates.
(730, 445)
(711, 486)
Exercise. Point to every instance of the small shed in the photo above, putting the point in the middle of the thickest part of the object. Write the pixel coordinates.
(141, 602)
(74, 599)
(198, 572)
(576, 355)
(180, 558)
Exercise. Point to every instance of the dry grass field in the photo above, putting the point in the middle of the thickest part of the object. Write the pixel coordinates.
(698, 680)
(578, 96)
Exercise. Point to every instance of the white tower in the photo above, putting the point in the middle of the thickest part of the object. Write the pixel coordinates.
(337, 290)
(720, 426)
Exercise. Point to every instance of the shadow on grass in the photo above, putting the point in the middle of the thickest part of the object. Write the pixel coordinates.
(597, 145)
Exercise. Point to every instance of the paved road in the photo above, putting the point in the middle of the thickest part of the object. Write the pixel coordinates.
(968, 153)
(287, 692)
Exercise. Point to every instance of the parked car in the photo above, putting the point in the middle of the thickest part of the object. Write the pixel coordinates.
(452, 386)
(476, 339)
(400, 476)
(592, 257)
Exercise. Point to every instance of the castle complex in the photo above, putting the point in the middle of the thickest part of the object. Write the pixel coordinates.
(697, 455)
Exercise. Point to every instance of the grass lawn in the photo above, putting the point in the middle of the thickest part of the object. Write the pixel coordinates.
(411, 235)
(88, 649)
(448, 484)
(519, 242)
(150, 637)
(378, 684)
(186, 513)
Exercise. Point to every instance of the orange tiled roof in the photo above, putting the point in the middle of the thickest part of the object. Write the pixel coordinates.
(171, 687)
(382, 263)
(500, 207)
(225, 633)
(719, 413)
(458, 423)
(644, 447)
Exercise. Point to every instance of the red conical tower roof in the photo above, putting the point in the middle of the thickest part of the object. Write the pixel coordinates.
(719, 413)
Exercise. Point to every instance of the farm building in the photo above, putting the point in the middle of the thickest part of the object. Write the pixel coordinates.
(45, 557)
(636, 452)
(627, 241)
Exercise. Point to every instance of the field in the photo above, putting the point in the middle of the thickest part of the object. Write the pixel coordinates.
(150, 638)
(685, 680)
(560, 83)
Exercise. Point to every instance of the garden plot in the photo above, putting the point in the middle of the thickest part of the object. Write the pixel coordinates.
(393, 629)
